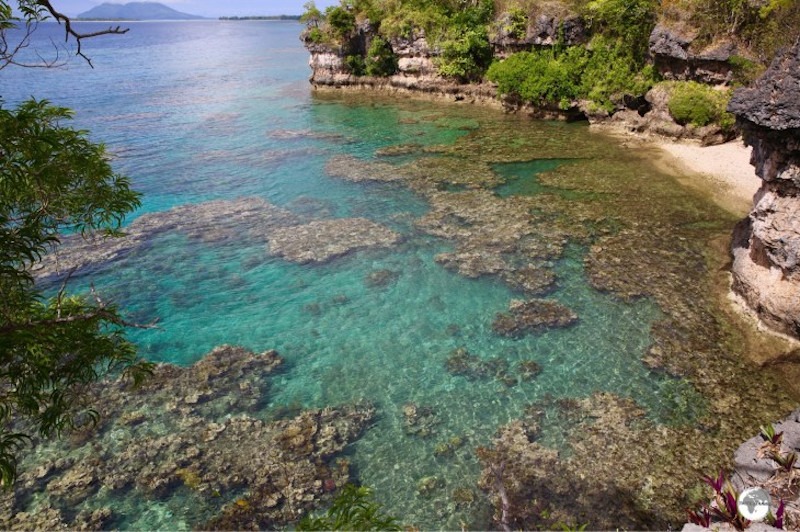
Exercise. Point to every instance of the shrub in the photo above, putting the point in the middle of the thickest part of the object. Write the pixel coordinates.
(315, 35)
(380, 60)
(517, 23)
(745, 71)
(466, 53)
(700, 105)
(355, 64)
(341, 22)
(628, 21)
(603, 75)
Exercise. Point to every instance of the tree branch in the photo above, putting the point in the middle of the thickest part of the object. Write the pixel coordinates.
(78, 36)
(101, 311)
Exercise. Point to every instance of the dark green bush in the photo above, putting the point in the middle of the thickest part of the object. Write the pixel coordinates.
(341, 21)
(700, 105)
(355, 65)
(560, 76)
(380, 60)
(466, 53)
(315, 35)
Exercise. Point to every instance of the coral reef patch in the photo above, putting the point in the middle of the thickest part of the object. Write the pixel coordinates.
(192, 433)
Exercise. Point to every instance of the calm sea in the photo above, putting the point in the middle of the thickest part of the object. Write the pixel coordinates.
(195, 111)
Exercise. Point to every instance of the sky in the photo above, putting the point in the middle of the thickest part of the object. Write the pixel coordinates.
(206, 8)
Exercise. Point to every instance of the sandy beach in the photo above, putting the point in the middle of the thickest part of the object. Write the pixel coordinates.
(729, 176)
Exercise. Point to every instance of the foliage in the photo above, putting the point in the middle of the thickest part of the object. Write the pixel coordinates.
(725, 506)
(315, 35)
(311, 16)
(777, 519)
(630, 22)
(517, 23)
(745, 71)
(355, 64)
(601, 75)
(466, 54)
(764, 27)
(341, 22)
(52, 180)
(768, 433)
(700, 105)
(353, 509)
(380, 60)
(465, 49)
(541, 77)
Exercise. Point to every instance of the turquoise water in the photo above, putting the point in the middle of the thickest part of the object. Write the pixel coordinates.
(239, 120)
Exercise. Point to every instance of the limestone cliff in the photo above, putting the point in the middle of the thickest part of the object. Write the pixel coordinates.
(673, 51)
(766, 247)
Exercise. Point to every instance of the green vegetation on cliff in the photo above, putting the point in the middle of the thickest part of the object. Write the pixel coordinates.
(605, 62)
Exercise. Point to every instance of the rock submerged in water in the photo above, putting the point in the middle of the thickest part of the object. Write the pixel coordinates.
(322, 241)
(419, 420)
(212, 221)
(190, 427)
(766, 246)
(533, 315)
(381, 278)
(243, 221)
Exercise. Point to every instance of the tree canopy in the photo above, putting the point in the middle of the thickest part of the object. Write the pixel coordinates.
(53, 180)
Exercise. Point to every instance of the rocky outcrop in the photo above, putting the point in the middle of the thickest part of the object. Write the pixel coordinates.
(213, 221)
(530, 316)
(650, 115)
(245, 220)
(766, 247)
(321, 241)
(200, 429)
(543, 29)
(677, 57)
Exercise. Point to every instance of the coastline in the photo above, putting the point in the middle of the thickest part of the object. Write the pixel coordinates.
(724, 169)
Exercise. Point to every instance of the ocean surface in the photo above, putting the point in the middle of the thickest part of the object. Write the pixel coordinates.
(198, 111)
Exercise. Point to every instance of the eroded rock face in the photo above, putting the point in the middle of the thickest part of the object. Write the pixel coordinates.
(188, 428)
(544, 28)
(766, 247)
(676, 58)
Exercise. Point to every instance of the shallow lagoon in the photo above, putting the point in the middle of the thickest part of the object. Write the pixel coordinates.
(223, 128)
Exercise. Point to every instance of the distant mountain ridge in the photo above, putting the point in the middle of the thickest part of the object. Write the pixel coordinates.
(135, 11)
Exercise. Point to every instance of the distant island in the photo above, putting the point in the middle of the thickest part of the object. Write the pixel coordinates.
(135, 11)
(267, 17)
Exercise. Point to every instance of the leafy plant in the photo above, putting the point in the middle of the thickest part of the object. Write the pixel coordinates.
(700, 516)
(552, 76)
(380, 60)
(53, 179)
(724, 508)
(768, 433)
(785, 461)
(466, 54)
(353, 509)
(517, 23)
(341, 21)
(777, 519)
(355, 64)
(630, 22)
(700, 105)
